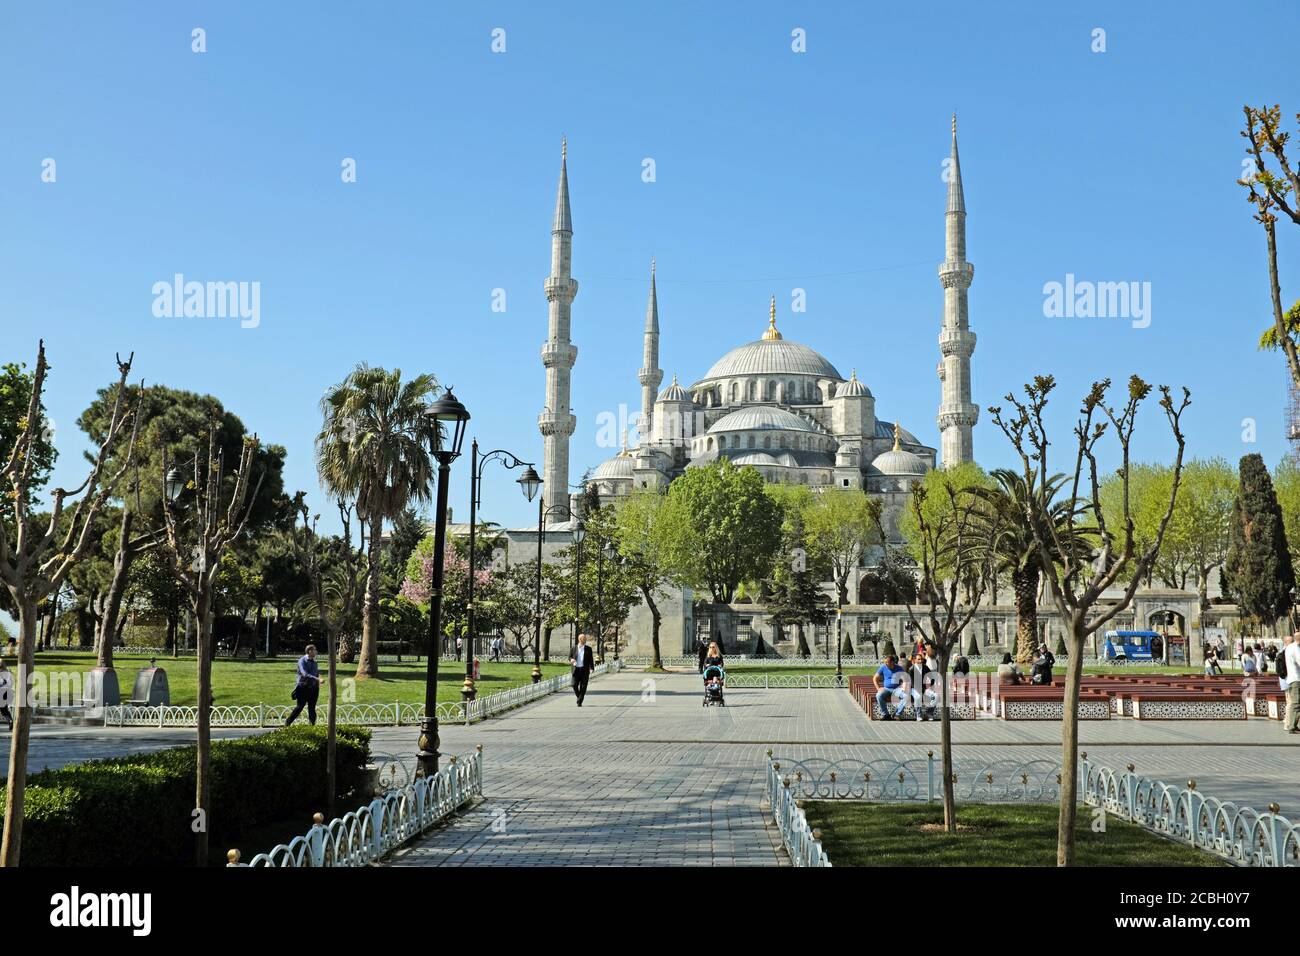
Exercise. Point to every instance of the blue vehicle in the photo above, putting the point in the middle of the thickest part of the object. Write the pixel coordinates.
(1131, 646)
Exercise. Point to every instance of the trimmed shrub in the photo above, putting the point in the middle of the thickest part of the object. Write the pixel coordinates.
(972, 649)
(1060, 647)
(889, 648)
(846, 647)
(137, 810)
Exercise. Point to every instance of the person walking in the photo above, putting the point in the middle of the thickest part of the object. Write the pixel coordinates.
(702, 650)
(582, 662)
(496, 648)
(1288, 673)
(307, 690)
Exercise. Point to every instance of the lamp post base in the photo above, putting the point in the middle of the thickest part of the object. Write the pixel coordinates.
(426, 755)
(467, 691)
(537, 673)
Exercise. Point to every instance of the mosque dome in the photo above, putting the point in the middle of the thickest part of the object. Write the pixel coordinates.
(773, 355)
(618, 468)
(762, 417)
(853, 388)
(674, 393)
(899, 463)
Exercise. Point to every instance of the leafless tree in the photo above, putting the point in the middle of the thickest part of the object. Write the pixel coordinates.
(198, 533)
(1075, 578)
(43, 549)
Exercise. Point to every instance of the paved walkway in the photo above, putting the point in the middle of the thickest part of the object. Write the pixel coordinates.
(642, 774)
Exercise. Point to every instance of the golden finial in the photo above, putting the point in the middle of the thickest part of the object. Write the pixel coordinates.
(674, 378)
(771, 335)
(853, 375)
(564, 148)
(623, 453)
(897, 430)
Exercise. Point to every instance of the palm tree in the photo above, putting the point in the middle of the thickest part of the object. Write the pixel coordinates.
(374, 449)
(1012, 545)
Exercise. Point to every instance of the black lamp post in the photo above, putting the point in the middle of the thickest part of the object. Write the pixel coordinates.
(839, 645)
(451, 416)
(579, 534)
(529, 483)
(606, 550)
(542, 513)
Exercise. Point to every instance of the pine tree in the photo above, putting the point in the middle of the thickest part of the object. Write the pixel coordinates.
(1258, 569)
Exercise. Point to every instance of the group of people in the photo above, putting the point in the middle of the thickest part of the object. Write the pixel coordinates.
(913, 683)
(1040, 671)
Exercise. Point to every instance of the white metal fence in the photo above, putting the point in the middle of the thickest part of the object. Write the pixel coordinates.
(367, 715)
(1241, 835)
(365, 835)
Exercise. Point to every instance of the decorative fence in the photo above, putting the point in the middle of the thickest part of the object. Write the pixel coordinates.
(1241, 835)
(801, 841)
(363, 836)
(815, 660)
(367, 715)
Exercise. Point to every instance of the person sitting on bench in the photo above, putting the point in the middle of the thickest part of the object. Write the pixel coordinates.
(889, 679)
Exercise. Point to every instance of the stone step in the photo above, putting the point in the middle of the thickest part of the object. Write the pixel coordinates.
(69, 716)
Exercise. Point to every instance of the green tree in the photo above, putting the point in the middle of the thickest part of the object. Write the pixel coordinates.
(1006, 516)
(718, 529)
(635, 523)
(841, 523)
(15, 396)
(1258, 566)
(373, 449)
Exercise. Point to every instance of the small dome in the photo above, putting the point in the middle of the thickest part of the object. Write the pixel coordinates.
(760, 417)
(674, 393)
(853, 388)
(617, 468)
(897, 462)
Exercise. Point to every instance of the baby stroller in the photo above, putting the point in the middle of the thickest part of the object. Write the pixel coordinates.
(714, 676)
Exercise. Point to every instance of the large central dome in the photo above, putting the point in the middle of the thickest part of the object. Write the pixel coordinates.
(773, 357)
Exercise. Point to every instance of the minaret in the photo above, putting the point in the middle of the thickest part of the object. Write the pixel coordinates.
(957, 414)
(556, 422)
(650, 374)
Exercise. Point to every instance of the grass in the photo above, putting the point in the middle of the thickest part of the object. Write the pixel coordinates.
(270, 681)
(875, 834)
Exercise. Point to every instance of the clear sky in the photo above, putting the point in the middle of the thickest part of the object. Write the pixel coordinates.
(775, 170)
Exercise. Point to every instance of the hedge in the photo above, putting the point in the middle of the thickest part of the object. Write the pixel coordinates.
(137, 810)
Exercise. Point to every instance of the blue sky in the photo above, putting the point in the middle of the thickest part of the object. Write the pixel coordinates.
(775, 170)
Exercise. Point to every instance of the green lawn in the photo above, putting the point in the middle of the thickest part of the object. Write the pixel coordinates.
(270, 681)
(874, 834)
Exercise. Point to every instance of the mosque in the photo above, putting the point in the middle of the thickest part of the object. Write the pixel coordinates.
(773, 404)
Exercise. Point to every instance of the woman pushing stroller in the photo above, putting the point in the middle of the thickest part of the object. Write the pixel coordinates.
(715, 676)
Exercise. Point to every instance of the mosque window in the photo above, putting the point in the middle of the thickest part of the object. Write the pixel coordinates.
(753, 391)
(767, 441)
(735, 392)
(751, 441)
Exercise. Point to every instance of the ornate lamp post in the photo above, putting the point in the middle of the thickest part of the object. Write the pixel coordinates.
(542, 513)
(606, 550)
(579, 534)
(528, 483)
(839, 645)
(451, 416)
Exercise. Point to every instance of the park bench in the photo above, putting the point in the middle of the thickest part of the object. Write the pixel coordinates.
(1030, 702)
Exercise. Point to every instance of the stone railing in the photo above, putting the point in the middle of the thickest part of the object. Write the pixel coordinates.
(368, 834)
(368, 715)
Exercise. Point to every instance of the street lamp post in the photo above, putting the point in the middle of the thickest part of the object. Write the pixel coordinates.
(839, 645)
(542, 513)
(529, 483)
(448, 413)
(579, 533)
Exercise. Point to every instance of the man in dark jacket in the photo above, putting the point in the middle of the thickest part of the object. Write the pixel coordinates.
(307, 690)
(582, 661)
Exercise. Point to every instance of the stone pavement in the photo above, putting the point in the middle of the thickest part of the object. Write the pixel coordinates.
(643, 775)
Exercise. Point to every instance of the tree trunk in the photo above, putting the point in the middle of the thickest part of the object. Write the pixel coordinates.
(202, 783)
(122, 562)
(648, 593)
(11, 849)
(331, 720)
(546, 642)
(1024, 582)
(368, 662)
(945, 737)
(1070, 746)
